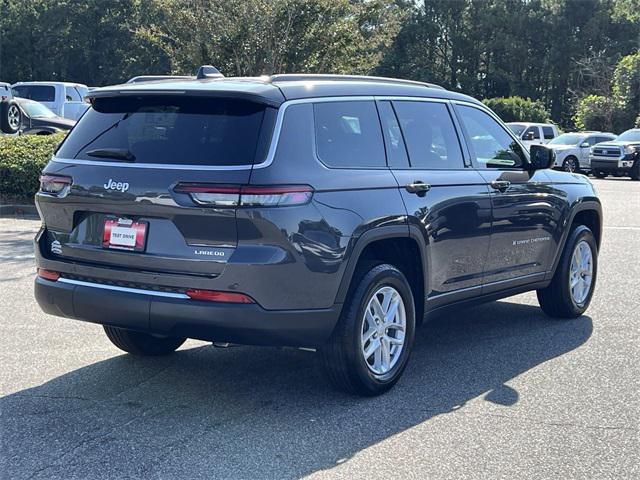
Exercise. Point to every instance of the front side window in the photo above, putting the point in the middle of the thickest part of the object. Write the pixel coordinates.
(72, 95)
(348, 134)
(532, 133)
(186, 130)
(429, 134)
(492, 146)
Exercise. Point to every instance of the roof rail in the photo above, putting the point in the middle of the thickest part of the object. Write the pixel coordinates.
(208, 71)
(297, 77)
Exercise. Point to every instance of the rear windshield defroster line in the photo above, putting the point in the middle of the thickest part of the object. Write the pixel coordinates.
(174, 130)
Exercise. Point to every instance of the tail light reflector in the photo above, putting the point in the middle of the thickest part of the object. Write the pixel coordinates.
(48, 274)
(246, 196)
(222, 297)
(54, 184)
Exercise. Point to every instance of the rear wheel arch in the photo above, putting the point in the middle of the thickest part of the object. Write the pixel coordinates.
(397, 245)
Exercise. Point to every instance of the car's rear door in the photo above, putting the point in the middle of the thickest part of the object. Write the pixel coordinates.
(524, 225)
(446, 200)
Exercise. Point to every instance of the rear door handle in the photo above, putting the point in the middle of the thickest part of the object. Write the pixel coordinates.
(418, 187)
(500, 185)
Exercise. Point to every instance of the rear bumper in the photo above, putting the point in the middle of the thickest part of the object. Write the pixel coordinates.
(170, 314)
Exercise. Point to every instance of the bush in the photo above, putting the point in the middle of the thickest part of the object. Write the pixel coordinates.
(518, 109)
(638, 121)
(22, 158)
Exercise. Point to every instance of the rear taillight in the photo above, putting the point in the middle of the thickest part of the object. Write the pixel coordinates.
(246, 196)
(54, 184)
(48, 274)
(222, 297)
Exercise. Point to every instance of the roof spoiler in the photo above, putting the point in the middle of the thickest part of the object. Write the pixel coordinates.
(208, 71)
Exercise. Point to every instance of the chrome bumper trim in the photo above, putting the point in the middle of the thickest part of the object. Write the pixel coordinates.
(140, 291)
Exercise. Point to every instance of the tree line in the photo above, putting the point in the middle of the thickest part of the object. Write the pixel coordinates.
(561, 54)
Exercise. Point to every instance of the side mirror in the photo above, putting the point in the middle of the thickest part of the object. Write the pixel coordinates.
(541, 157)
(530, 136)
(584, 145)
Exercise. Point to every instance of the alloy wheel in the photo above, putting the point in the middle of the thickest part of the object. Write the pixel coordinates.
(581, 272)
(383, 330)
(14, 117)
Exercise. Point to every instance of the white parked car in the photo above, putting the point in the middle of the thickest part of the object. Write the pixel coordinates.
(62, 98)
(534, 133)
(572, 149)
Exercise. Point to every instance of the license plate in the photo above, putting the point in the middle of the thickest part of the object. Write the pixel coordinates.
(124, 234)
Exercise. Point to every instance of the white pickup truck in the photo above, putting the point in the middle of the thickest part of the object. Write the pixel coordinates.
(62, 98)
(534, 133)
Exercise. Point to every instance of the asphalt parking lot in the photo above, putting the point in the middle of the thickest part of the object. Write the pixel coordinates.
(499, 391)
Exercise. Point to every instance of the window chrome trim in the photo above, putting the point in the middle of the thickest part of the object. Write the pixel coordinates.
(116, 288)
(275, 136)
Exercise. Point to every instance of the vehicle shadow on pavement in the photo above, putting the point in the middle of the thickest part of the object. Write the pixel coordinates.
(261, 412)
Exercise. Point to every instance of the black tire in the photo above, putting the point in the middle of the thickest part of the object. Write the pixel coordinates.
(556, 299)
(341, 357)
(599, 174)
(138, 343)
(571, 164)
(635, 170)
(10, 117)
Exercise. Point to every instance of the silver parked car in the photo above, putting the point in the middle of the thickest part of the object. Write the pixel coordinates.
(572, 149)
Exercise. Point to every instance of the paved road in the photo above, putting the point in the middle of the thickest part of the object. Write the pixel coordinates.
(497, 392)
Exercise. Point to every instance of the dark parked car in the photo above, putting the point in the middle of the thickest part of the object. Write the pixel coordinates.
(328, 212)
(619, 157)
(32, 118)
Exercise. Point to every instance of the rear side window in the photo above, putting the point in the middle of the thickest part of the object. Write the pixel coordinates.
(429, 134)
(348, 134)
(548, 133)
(39, 93)
(172, 130)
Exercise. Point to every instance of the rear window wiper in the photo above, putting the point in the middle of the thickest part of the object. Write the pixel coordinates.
(114, 153)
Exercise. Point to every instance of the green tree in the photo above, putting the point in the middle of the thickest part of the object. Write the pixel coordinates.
(595, 112)
(518, 109)
(626, 88)
(253, 37)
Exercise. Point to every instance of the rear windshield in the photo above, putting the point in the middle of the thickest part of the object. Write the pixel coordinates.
(172, 130)
(39, 93)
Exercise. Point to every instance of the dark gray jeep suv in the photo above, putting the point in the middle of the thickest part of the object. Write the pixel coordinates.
(318, 211)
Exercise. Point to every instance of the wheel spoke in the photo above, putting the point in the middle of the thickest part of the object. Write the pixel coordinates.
(375, 303)
(366, 336)
(392, 310)
(373, 347)
(386, 354)
(395, 326)
(387, 297)
(377, 360)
